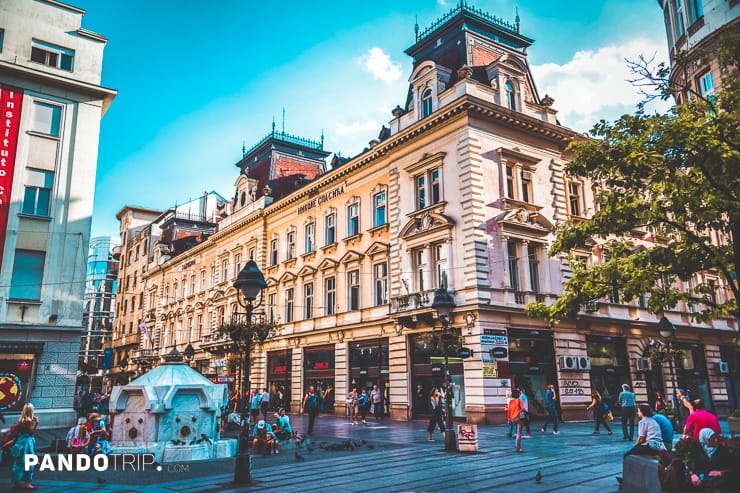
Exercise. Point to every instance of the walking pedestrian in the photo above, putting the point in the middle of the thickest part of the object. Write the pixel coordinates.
(352, 403)
(551, 401)
(23, 434)
(376, 396)
(525, 423)
(600, 409)
(516, 414)
(512, 425)
(363, 402)
(254, 408)
(310, 406)
(627, 402)
(435, 402)
(264, 403)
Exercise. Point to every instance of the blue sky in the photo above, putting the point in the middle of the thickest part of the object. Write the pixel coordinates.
(197, 79)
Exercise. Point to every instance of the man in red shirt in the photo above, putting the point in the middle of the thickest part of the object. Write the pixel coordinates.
(700, 419)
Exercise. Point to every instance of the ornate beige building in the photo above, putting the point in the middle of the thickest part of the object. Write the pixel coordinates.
(461, 192)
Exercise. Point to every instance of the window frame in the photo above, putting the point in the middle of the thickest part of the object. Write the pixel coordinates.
(309, 232)
(308, 296)
(353, 219)
(53, 55)
(330, 295)
(380, 283)
(330, 226)
(26, 284)
(290, 245)
(426, 103)
(289, 304)
(514, 278)
(380, 206)
(54, 122)
(575, 197)
(428, 187)
(274, 246)
(510, 95)
(534, 267)
(31, 204)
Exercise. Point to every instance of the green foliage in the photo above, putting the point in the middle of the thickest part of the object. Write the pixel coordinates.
(673, 178)
(244, 334)
(736, 413)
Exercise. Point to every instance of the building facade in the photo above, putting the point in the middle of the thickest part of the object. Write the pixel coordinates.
(53, 102)
(693, 25)
(99, 306)
(460, 192)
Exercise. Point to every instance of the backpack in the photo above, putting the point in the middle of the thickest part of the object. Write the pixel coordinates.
(312, 403)
(605, 405)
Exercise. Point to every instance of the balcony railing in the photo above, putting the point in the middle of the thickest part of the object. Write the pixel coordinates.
(412, 301)
(215, 341)
(145, 355)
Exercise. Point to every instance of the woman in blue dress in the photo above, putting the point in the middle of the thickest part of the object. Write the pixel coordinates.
(24, 432)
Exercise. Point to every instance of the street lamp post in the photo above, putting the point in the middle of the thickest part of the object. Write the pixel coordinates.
(667, 330)
(189, 353)
(249, 285)
(443, 304)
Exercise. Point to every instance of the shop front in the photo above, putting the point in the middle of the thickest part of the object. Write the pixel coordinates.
(532, 365)
(318, 363)
(278, 378)
(368, 362)
(427, 372)
(691, 373)
(609, 367)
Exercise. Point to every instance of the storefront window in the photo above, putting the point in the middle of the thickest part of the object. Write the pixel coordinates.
(604, 353)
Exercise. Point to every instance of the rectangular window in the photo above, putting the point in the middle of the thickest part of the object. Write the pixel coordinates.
(2, 38)
(574, 198)
(696, 10)
(200, 328)
(174, 289)
(184, 288)
(678, 5)
(440, 261)
(308, 297)
(534, 267)
(290, 254)
(289, 301)
(251, 254)
(28, 272)
(37, 195)
(271, 302)
(192, 284)
(419, 266)
(421, 192)
(237, 264)
(331, 229)
(353, 220)
(526, 186)
(379, 218)
(190, 329)
(202, 280)
(435, 194)
(309, 237)
(46, 118)
(353, 283)
(513, 266)
(330, 287)
(52, 55)
(213, 275)
(274, 251)
(225, 270)
(712, 283)
(510, 182)
(706, 85)
(167, 294)
(380, 277)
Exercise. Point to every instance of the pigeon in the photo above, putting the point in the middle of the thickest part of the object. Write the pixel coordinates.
(205, 438)
(538, 478)
(299, 457)
(310, 450)
(101, 480)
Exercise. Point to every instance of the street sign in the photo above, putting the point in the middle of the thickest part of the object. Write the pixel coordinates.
(499, 352)
(436, 368)
(464, 352)
(107, 358)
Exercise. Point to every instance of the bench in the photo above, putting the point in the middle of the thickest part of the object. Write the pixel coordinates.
(640, 473)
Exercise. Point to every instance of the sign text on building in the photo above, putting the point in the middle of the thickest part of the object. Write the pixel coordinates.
(320, 199)
(10, 116)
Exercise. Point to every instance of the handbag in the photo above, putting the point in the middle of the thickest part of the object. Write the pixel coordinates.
(609, 416)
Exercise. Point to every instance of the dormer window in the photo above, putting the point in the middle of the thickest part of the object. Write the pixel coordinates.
(426, 103)
(510, 96)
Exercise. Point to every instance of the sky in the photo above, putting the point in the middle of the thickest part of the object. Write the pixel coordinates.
(198, 80)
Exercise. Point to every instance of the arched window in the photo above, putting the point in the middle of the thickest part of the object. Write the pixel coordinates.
(510, 96)
(426, 103)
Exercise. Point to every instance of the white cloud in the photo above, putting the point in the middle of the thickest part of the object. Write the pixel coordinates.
(442, 2)
(356, 127)
(593, 84)
(380, 65)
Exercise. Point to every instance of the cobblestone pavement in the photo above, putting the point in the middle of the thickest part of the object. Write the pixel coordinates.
(396, 457)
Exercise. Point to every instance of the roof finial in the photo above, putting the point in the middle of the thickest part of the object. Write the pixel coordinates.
(273, 123)
(244, 148)
(283, 119)
(322, 138)
(416, 27)
(516, 19)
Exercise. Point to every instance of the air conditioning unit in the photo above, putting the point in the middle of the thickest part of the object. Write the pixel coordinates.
(723, 367)
(584, 362)
(568, 363)
(643, 364)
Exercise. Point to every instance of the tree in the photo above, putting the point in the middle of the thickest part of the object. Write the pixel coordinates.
(673, 178)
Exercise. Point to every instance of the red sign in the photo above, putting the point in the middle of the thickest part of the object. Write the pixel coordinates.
(322, 365)
(11, 99)
(23, 365)
(280, 369)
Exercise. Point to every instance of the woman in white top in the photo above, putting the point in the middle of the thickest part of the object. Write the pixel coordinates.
(352, 406)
